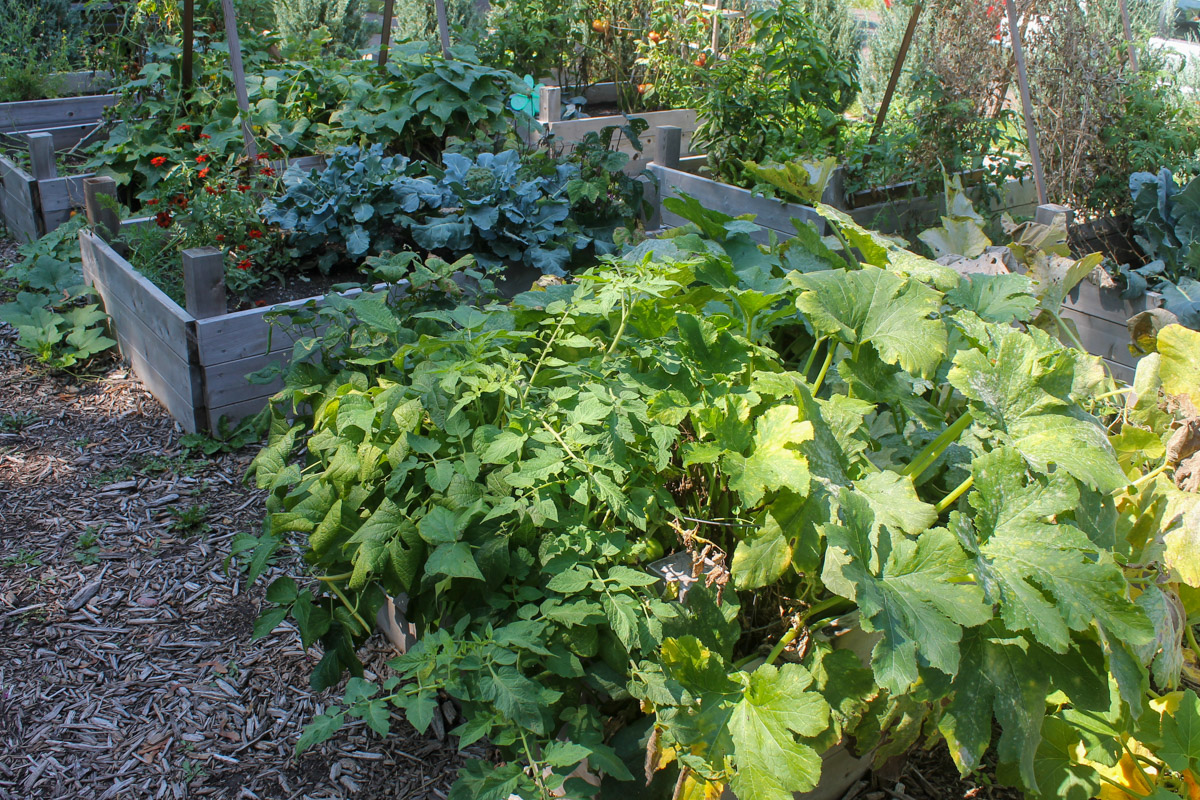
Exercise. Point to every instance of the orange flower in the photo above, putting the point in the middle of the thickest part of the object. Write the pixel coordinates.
(205, 136)
(200, 159)
(245, 264)
(204, 172)
(184, 128)
(158, 161)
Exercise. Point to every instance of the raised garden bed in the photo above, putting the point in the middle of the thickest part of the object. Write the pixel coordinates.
(571, 131)
(68, 119)
(36, 201)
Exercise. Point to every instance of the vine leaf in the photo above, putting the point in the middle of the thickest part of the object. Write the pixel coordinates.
(913, 591)
(772, 464)
(775, 709)
(1181, 735)
(1021, 388)
(1047, 576)
(873, 306)
(1006, 676)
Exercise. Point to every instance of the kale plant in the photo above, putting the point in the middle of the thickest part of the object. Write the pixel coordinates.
(1166, 220)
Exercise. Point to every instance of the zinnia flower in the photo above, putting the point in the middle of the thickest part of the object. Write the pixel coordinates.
(256, 234)
(205, 136)
(266, 171)
(153, 202)
(200, 159)
(204, 172)
(158, 161)
(243, 187)
(245, 264)
(262, 156)
(163, 219)
(184, 128)
(220, 237)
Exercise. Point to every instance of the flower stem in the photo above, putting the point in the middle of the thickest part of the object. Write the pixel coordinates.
(958, 492)
(935, 448)
(824, 367)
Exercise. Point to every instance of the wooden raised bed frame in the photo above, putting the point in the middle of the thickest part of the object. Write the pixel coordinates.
(35, 202)
(195, 359)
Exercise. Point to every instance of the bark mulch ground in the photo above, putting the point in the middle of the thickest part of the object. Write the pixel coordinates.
(126, 663)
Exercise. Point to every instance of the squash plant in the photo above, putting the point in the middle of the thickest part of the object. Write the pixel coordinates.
(823, 440)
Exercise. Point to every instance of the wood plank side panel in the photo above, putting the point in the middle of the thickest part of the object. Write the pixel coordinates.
(167, 375)
(770, 213)
(161, 314)
(19, 201)
(33, 115)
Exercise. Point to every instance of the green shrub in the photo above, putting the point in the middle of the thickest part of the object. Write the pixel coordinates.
(343, 19)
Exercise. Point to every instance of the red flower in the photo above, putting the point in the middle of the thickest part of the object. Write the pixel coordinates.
(163, 219)
(266, 171)
(204, 172)
(220, 237)
(158, 161)
(242, 247)
(205, 136)
(276, 149)
(184, 128)
(243, 187)
(210, 190)
(180, 201)
(200, 159)
(245, 264)
(260, 303)
(262, 156)
(153, 202)
(255, 234)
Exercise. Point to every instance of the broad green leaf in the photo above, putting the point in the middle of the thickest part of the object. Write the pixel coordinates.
(895, 502)
(914, 591)
(995, 298)
(453, 560)
(774, 462)
(1181, 735)
(1008, 677)
(1179, 349)
(1046, 577)
(961, 236)
(1054, 276)
(872, 306)
(777, 706)
(762, 557)
(1020, 390)
(1182, 552)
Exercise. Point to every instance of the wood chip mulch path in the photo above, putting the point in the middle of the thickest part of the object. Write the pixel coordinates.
(126, 666)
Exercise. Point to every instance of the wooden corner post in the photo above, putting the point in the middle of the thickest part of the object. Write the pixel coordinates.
(204, 282)
(667, 145)
(41, 156)
(549, 104)
(102, 214)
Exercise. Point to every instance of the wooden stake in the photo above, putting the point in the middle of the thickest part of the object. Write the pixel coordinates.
(385, 37)
(101, 215)
(716, 27)
(1035, 152)
(239, 75)
(897, 68)
(189, 9)
(443, 27)
(1128, 34)
(204, 282)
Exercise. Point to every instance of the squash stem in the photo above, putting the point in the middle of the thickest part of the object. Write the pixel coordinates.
(935, 448)
(958, 492)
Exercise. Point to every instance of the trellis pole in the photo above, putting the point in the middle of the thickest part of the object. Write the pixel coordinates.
(894, 79)
(1133, 64)
(239, 75)
(385, 37)
(189, 14)
(1035, 152)
(443, 27)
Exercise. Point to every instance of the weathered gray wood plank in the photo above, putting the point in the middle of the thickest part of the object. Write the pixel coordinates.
(226, 383)
(182, 378)
(770, 213)
(234, 412)
(160, 313)
(35, 115)
(18, 202)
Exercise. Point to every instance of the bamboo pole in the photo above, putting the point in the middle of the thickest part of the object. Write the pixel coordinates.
(1133, 64)
(189, 14)
(385, 37)
(239, 75)
(1035, 152)
(716, 27)
(894, 79)
(443, 27)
